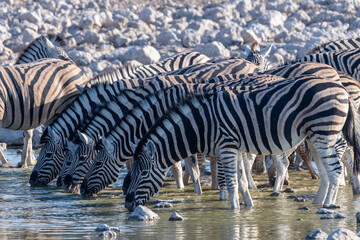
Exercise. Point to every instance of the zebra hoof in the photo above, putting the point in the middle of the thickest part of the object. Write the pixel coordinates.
(331, 206)
(274, 194)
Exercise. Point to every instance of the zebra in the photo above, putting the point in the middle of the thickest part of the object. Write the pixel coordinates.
(49, 46)
(96, 94)
(97, 181)
(33, 94)
(345, 44)
(78, 168)
(257, 56)
(232, 121)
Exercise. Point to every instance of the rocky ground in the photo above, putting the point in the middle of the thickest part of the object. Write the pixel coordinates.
(110, 33)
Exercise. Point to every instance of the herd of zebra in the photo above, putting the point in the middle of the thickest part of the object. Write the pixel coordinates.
(152, 116)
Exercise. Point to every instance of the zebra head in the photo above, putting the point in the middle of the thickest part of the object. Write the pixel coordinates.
(50, 160)
(104, 170)
(80, 163)
(145, 178)
(257, 56)
(70, 148)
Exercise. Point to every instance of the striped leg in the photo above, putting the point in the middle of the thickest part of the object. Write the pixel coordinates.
(214, 173)
(281, 164)
(242, 180)
(192, 166)
(176, 170)
(229, 157)
(307, 158)
(348, 162)
(248, 162)
(221, 181)
(27, 152)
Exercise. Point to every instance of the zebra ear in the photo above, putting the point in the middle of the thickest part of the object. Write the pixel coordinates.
(266, 51)
(108, 146)
(80, 89)
(85, 138)
(71, 146)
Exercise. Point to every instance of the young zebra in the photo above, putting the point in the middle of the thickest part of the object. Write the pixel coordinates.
(339, 45)
(95, 177)
(34, 93)
(79, 165)
(271, 120)
(98, 93)
(43, 47)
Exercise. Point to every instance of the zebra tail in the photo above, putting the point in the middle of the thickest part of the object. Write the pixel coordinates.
(351, 132)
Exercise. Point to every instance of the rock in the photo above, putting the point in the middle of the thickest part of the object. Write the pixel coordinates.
(142, 213)
(172, 201)
(108, 235)
(102, 228)
(81, 58)
(34, 16)
(217, 13)
(176, 217)
(339, 216)
(92, 37)
(190, 38)
(325, 211)
(289, 190)
(90, 20)
(327, 216)
(145, 55)
(167, 36)
(214, 50)
(163, 205)
(287, 7)
(188, 13)
(148, 15)
(316, 234)
(272, 18)
(303, 208)
(342, 234)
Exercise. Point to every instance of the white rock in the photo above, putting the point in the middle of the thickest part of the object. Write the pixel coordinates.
(145, 55)
(213, 50)
(141, 26)
(189, 13)
(92, 37)
(81, 58)
(102, 228)
(176, 217)
(34, 16)
(108, 234)
(91, 20)
(316, 234)
(190, 38)
(166, 36)
(142, 213)
(217, 13)
(272, 18)
(244, 6)
(287, 7)
(342, 234)
(148, 15)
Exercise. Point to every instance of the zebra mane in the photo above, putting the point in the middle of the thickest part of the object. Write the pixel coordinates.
(45, 46)
(337, 45)
(109, 76)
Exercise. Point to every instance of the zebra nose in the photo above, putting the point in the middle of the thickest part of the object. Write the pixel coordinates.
(59, 182)
(68, 181)
(83, 188)
(33, 178)
(130, 202)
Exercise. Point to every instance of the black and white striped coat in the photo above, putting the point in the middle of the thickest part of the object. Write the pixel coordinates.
(267, 120)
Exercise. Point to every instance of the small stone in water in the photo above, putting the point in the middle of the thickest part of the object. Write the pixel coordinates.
(172, 201)
(327, 216)
(142, 213)
(303, 208)
(274, 194)
(316, 234)
(299, 219)
(115, 229)
(176, 217)
(299, 200)
(163, 205)
(338, 216)
(291, 197)
(108, 234)
(325, 211)
(102, 228)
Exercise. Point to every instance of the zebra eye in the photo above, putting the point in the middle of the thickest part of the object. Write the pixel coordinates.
(48, 155)
(82, 158)
(68, 163)
(144, 173)
(98, 164)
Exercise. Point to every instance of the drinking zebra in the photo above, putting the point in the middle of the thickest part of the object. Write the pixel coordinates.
(271, 119)
(98, 93)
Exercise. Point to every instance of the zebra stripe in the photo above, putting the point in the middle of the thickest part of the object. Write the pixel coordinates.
(339, 45)
(100, 91)
(221, 124)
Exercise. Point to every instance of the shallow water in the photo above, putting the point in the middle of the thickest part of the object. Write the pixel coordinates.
(49, 213)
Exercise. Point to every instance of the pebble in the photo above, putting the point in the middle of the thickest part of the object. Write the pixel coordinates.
(303, 208)
(172, 201)
(325, 211)
(163, 205)
(316, 234)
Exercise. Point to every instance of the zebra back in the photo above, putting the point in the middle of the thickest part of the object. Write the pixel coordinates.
(339, 45)
(44, 47)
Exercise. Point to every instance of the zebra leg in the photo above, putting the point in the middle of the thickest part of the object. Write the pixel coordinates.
(27, 153)
(260, 164)
(229, 158)
(281, 165)
(304, 152)
(214, 173)
(353, 179)
(221, 181)
(271, 171)
(186, 175)
(192, 166)
(176, 170)
(248, 162)
(2, 158)
(242, 180)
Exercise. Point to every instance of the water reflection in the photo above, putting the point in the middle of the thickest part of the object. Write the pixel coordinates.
(49, 213)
